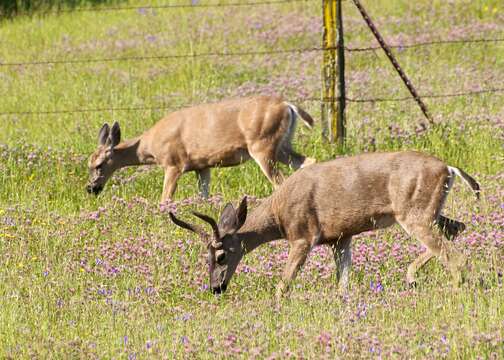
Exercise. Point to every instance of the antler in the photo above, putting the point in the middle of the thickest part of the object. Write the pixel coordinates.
(194, 228)
(215, 243)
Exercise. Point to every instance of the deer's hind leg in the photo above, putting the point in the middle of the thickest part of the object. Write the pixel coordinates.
(450, 227)
(416, 265)
(286, 155)
(428, 234)
(203, 176)
(265, 156)
(425, 222)
(343, 259)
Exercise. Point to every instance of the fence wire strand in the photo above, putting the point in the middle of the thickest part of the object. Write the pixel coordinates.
(231, 54)
(425, 43)
(194, 6)
(237, 54)
(428, 96)
(299, 100)
(163, 57)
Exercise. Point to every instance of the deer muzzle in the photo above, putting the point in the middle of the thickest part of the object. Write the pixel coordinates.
(219, 289)
(94, 189)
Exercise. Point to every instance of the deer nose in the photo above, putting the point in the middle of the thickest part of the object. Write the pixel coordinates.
(94, 189)
(219, 289)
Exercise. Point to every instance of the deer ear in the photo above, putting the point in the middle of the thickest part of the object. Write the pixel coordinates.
(231, 220)
(241, 213)
(115, 135)
(227, 220)
(103, 134)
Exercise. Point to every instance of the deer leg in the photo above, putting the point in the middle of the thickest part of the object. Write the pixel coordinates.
(450, 228)
(416, 265)
(292, 159)
(266, 161)
(297, 255)
(203, 181)
(170, 182)
(453, 261)
(343, 258)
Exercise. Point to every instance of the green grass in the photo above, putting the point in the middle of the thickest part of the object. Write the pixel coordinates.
(111, 276)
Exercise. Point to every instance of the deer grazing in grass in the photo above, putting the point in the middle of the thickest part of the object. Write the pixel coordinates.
(201, 137)
(329, 202)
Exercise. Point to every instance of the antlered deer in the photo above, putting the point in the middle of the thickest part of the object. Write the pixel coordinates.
(201, 137)
(328, 203)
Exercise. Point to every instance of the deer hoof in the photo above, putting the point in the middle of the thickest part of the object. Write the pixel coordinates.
(412, 285)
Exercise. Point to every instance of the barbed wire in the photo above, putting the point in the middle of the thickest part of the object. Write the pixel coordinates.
(428, 96)
(76, 111)
(240, 53)
(298, 100)
(425, 43)
(227, 54)
(163, 57)
(194, 6)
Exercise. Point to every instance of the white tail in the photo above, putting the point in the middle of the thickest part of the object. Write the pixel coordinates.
(295, 111)
(466, 178)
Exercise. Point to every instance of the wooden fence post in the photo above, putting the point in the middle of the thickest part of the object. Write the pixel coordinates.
(341, 120)
(333, 106)
(328, 68)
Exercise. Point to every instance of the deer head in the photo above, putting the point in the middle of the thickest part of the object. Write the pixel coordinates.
(101, 162)
(224, 245)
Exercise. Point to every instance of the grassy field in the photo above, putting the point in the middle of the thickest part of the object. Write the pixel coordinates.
(111, 277)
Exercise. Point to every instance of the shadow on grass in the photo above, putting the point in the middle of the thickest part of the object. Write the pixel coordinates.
(12, 8)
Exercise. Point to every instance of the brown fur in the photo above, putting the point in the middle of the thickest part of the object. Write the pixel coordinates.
(201, 137)
(328, 203)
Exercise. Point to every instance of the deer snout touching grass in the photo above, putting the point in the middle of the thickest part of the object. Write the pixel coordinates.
(199, 138)
(328, 203)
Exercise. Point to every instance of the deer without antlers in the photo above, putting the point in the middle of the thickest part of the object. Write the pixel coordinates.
(201, 137)
(328, 203)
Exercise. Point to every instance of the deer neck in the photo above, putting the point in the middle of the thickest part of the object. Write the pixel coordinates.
(130, 153)
(260, 227)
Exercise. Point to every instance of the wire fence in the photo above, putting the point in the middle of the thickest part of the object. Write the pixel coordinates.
(11, 7)
(299, 100)
(196, 5)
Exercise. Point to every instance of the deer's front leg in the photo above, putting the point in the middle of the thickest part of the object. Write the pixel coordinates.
(297, 255)
(170, 182)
